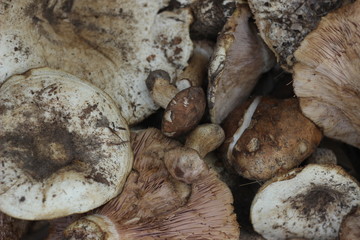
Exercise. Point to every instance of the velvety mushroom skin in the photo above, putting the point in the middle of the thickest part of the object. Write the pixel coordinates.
(327, 75)
(268, 136)
(307, 203)
(64, 146)
(112, 45)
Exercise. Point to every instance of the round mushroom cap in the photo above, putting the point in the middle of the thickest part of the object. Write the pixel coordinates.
(327, 75)
(183, 112)
(64, 146)
(305, 203)
(268, 136)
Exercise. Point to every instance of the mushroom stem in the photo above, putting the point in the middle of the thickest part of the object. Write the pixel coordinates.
(205, 138)
(158, 83)
(195, 73)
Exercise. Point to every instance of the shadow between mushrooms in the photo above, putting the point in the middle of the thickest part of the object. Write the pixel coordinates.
(155, 205)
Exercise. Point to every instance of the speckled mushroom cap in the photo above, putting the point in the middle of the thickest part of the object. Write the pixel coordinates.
(305, 203)
(283, 24)
(64, 146)
(113, 45)
(327, 75)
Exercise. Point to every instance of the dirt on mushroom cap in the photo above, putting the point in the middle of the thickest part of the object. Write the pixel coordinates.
(112, 45)
(65, 146)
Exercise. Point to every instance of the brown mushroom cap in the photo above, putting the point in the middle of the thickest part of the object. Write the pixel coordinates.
(154, 205)
(268, 136)
(305, 203)
(183, 112)
(327, 75)
(64, 146)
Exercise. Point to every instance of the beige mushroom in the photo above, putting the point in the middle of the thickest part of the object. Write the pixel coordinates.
(64, 146)
(283, 24)
(326, 77)
(267, 136)
(113, 45)
(305, 203)
(155, 205)
(240, 57)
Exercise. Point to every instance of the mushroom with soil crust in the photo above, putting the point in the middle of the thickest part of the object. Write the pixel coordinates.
(113, 45)
(183, 109)
(267, 136)
(240, 57)
(64, 146)
(156, 205)
(283, 24)
(327, 75)
(305, 203)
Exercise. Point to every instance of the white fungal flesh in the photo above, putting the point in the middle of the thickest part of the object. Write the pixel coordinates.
(309, 204)
(245, 124)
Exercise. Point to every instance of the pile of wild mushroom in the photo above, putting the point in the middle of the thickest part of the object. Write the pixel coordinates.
(179, 119)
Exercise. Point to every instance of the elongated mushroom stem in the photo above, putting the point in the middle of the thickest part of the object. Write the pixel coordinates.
(205, 138)
(195, 73)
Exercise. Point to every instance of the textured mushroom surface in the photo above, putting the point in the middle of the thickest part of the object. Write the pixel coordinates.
(267, 136)
(113, 45)
(305, 203)
(283, 24)
(240, 57)
(350, 226)
(327, 75)
(64, 146)
(156, 205)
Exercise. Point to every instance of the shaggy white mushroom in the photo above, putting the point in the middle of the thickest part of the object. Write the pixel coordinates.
(113, 45)
(64, 146)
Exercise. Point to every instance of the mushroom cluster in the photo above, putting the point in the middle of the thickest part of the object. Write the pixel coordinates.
(179, 119)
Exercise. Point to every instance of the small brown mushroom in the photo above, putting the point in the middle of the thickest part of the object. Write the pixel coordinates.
(266, 136)
(240, 57)
(350, 226)
(183, 109)
(326, 77)
(154, 205)
(64, 146)
(305, 203)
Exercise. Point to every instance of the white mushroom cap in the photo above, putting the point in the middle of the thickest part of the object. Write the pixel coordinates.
(305, 203)
(64, 146)
(112, 45)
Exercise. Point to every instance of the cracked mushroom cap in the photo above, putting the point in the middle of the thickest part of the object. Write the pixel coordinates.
(327, 75)
(64, 146)
(240, 57)
(305, 203)
(155, 205)
(113, 45)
